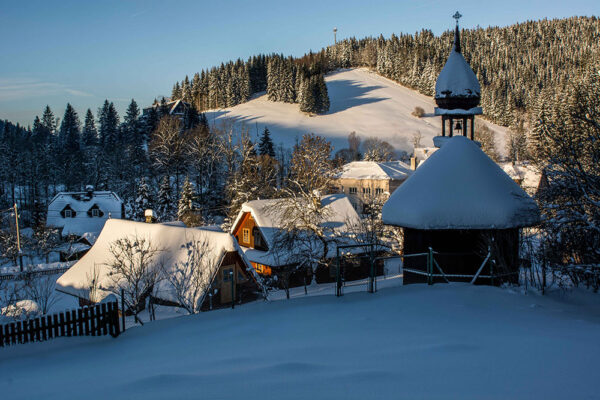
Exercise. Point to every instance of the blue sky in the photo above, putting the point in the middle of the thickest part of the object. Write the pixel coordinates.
(82, 52)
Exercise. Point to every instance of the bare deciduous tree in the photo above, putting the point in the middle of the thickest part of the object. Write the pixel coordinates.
(190, 278)
(378, 150)
(416, 139)
(167, 148)
(41, 289)
(134, 271)
(93, 284)
(304, 239)
(487, 138)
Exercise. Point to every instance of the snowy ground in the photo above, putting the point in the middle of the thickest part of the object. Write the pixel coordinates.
(361, 101)
(443, 342)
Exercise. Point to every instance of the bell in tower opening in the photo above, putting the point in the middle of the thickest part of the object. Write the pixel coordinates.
(457, 93)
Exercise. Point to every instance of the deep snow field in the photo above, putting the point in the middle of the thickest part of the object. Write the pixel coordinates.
(452, 341)
(361, 101)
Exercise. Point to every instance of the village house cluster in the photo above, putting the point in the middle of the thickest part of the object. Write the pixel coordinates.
(452, 200)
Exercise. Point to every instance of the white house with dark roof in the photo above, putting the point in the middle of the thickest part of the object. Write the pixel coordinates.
(79, 213)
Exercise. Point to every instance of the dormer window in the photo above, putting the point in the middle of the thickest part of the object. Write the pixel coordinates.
(68, 212)
(95, 211)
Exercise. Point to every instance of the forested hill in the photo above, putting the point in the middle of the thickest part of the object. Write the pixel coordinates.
(516, 65)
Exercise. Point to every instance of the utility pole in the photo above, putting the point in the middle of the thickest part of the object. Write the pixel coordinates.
(334, 35)
(233, 288)
(18, 237)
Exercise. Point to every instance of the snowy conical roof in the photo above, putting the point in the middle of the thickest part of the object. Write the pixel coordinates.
(460, 187)
(457, 80)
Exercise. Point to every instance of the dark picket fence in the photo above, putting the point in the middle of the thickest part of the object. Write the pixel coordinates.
(98, 320)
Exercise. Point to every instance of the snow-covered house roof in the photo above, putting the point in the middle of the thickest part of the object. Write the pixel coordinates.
(525, 174)
(175, 107)
(390, 170)
(170, 240)
(423, 153)
(74, 211)
(341, 217)
(457, 79)
(460, 187)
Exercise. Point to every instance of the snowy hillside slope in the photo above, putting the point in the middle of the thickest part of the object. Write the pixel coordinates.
(361, 101)
(454, 341)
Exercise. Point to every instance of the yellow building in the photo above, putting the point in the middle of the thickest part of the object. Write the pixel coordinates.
(365, 181)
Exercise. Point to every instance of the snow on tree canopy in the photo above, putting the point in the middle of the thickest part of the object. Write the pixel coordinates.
(169, 239)
(460, 187)
(457, 79)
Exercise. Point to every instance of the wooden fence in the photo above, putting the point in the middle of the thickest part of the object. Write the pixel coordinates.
(101, 319)
(17, 275)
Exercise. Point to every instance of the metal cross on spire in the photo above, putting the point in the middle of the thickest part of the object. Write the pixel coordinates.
(457, 16)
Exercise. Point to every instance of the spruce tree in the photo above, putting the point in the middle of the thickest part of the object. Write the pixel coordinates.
(69, 130)
(265, 147)
(308, 102)
(323, 95)
(164, 202)
(186, 90)
(176, 92)
(71, 159)
(90, 133)
(143, 200)
(108, 119)
(131, 123)
(48, 120)
(186, 200)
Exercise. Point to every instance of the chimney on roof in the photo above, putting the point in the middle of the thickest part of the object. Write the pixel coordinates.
(150, 216)
(89, 191)
(413, 163)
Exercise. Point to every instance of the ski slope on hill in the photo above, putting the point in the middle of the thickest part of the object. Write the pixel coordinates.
(455, 341)
(361, 101)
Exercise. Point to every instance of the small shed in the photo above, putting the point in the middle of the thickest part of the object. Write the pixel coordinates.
(460, 203)
(221, 260)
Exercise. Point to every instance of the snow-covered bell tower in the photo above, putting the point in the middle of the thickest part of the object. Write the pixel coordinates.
(457, 93)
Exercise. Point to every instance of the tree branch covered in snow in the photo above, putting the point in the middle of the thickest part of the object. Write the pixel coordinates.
(134, 271)
(567, 140)
(189, 278)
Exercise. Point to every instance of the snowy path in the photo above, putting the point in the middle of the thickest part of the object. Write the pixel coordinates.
(442, 342)
(361, 101)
